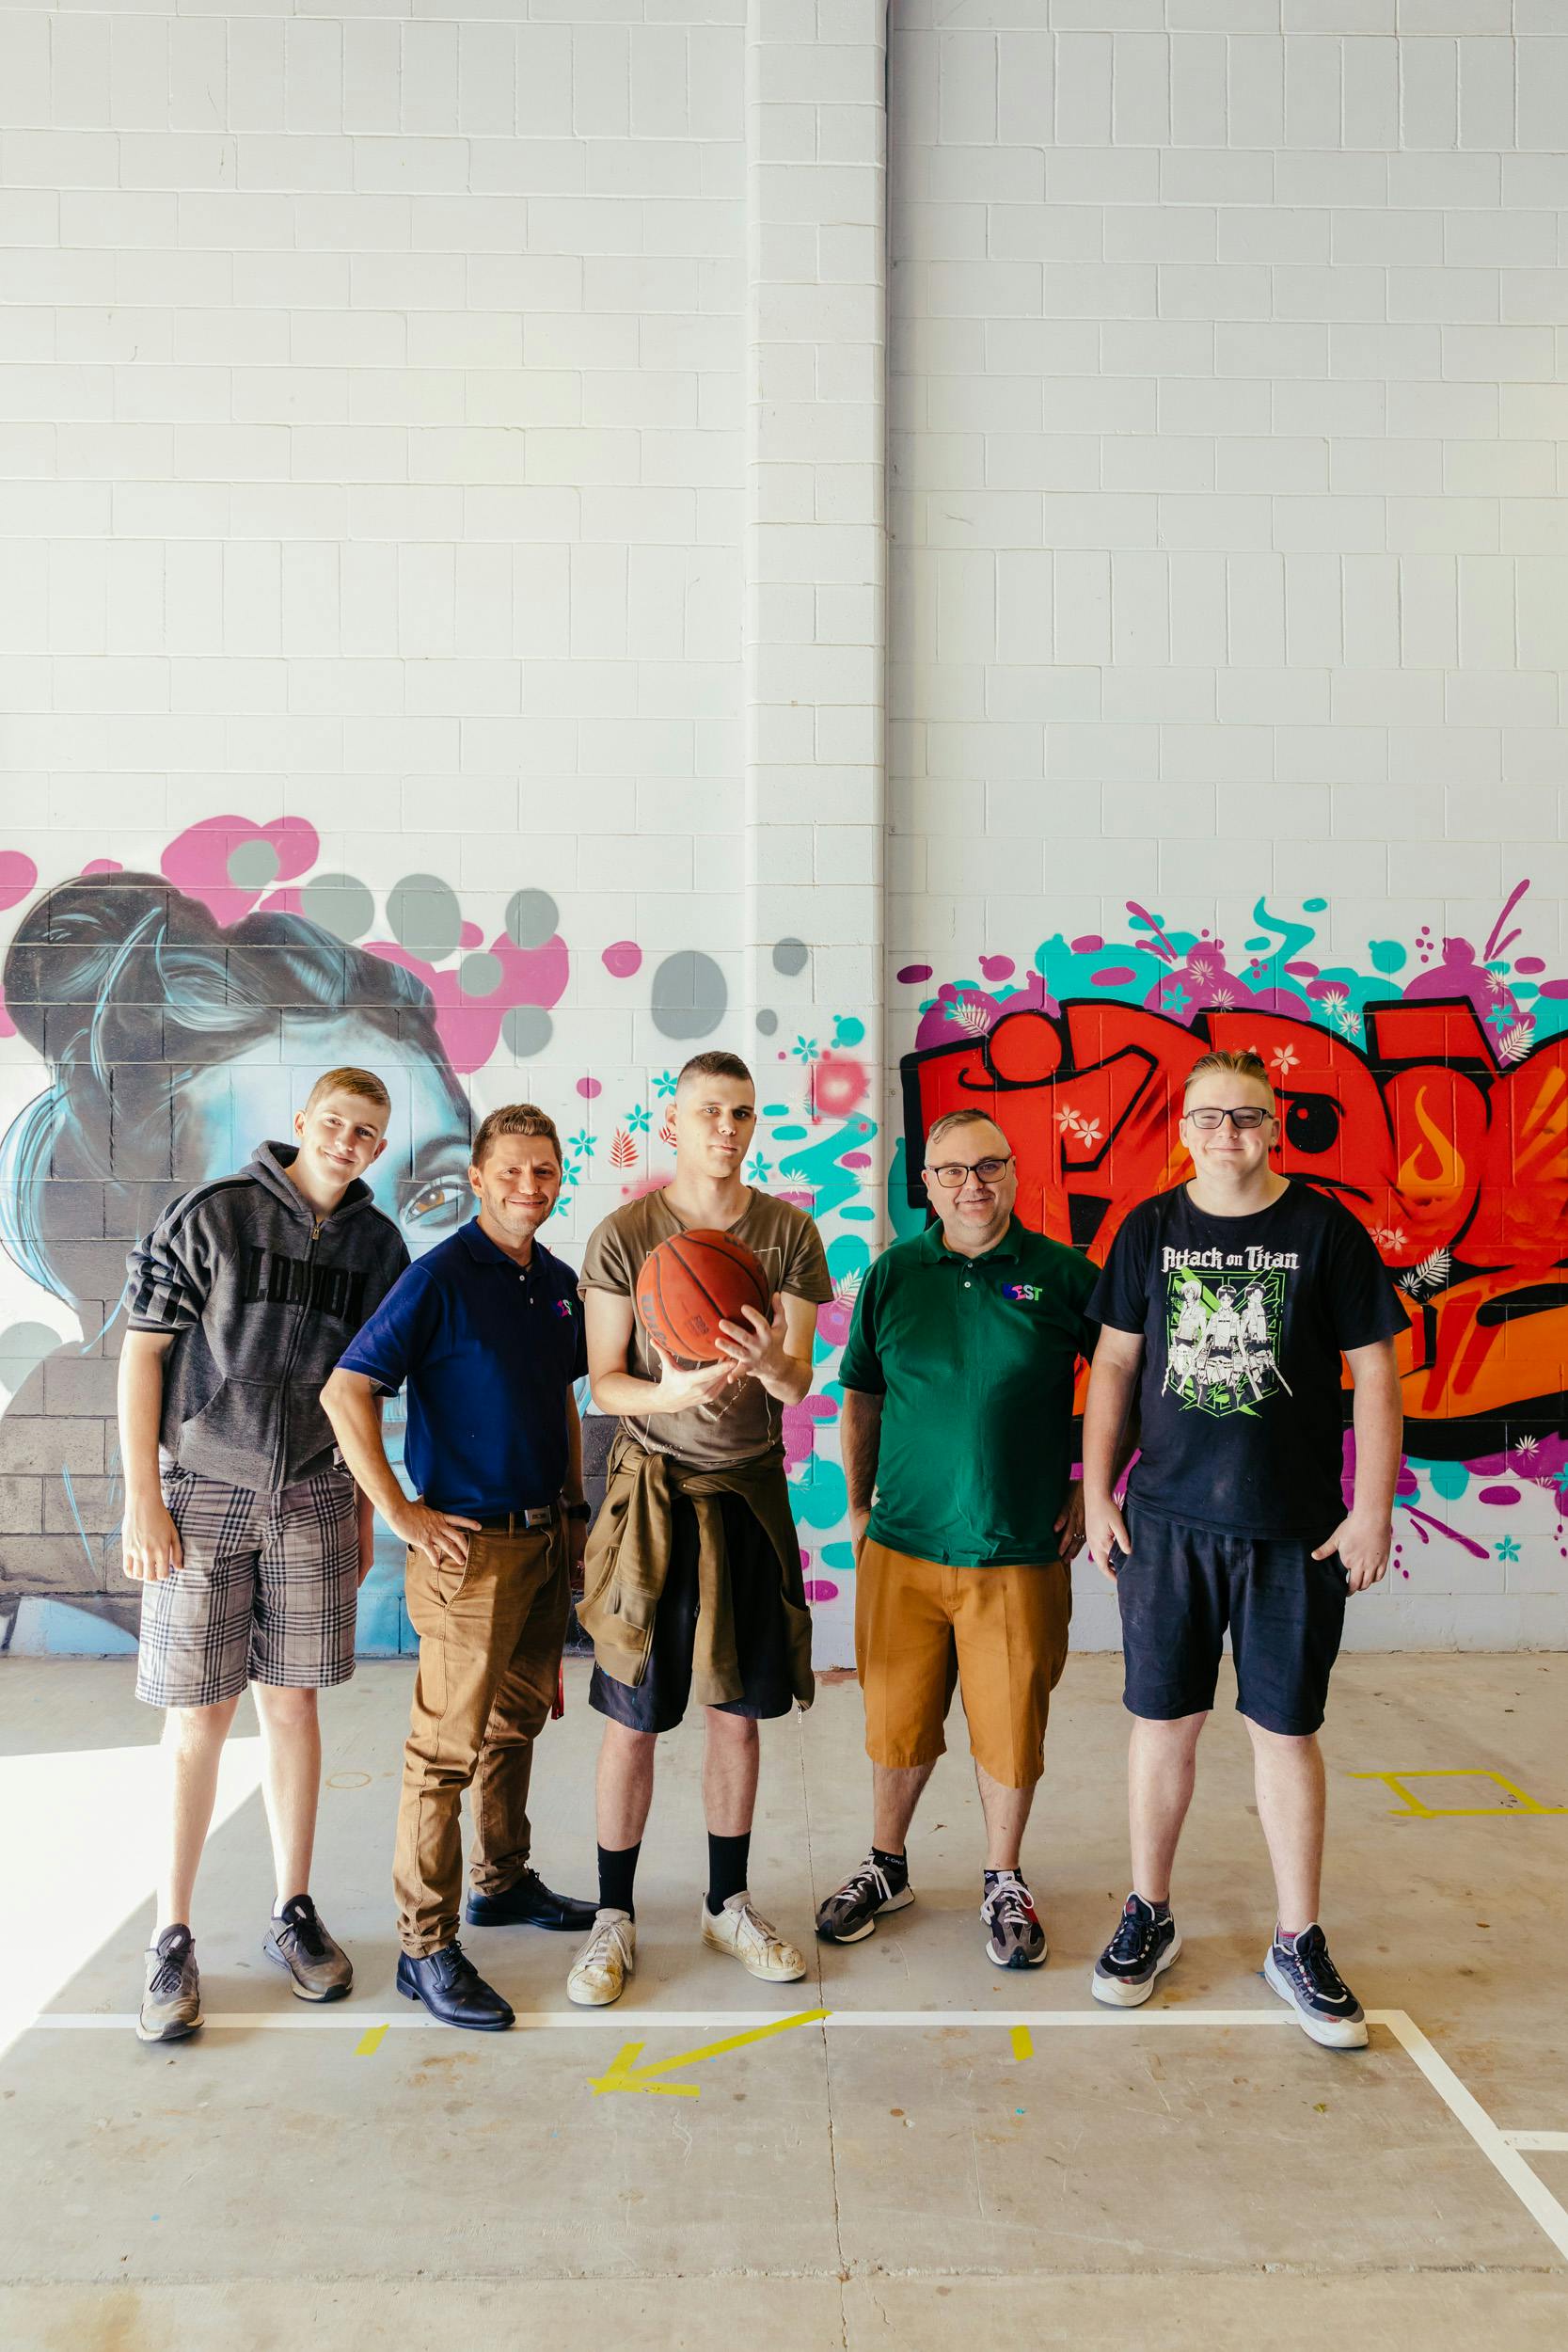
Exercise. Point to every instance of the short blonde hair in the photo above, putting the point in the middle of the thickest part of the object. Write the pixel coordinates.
(514, 1119)
(1244, 1064)
(349, 1080)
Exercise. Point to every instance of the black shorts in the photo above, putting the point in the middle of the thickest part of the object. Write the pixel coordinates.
(762, 1640)
(1179, 1589)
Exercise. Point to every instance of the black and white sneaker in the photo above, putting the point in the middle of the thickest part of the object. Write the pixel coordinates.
(1141, 1949)
(1302, 1973)
(1015, 1938)
(850, 1915)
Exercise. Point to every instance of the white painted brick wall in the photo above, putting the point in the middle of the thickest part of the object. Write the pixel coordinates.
(1227, 419)
(466, 430)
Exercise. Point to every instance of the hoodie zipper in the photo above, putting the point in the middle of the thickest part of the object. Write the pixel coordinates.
(281, 1461)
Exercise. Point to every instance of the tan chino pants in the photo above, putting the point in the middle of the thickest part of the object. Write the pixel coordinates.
(490, 1634)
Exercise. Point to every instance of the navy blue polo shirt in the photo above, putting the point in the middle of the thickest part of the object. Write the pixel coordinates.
(489, 1350)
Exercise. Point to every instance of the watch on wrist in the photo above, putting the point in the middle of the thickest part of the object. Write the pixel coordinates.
(583, 1511)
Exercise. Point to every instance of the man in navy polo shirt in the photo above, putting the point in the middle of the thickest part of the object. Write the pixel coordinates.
(488, 1331)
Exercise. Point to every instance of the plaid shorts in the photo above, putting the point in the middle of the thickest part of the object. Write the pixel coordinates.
(267, 1592)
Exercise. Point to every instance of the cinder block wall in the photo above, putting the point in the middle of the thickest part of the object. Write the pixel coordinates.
(446, 615)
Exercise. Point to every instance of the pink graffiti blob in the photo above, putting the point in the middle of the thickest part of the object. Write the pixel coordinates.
(229, 864)
(470, 1027)
(838, 1084)
(799, 1422)
(17, 875)
(621, 959)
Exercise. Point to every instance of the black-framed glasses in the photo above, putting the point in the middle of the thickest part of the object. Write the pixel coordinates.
(1207, 1117)
(950, 1175)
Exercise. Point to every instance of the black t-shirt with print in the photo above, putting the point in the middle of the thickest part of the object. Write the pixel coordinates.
(1244, 1320)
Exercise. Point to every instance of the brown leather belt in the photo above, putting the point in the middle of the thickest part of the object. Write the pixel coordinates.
(520, 1522)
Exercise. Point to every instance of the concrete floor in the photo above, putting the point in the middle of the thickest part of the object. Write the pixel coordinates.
(879, 2185)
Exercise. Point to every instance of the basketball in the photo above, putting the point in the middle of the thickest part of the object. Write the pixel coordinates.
(690, 1284)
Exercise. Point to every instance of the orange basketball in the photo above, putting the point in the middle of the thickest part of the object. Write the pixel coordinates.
(690, 1284)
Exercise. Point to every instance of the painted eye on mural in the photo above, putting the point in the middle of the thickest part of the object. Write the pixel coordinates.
(1312, 1123)
(437, 1206)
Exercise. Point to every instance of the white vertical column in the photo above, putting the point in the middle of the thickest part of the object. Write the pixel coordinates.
(815, 614)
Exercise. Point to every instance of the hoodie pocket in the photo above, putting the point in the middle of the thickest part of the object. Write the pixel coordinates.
(233, 1435)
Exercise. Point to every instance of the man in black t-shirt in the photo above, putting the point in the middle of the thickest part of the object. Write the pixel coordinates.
(1227, 1303)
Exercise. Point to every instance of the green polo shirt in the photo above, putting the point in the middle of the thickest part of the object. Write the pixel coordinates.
(974, 1361)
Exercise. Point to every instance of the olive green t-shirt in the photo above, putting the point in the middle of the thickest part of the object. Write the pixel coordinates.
(743, 1423)
(974, 1359)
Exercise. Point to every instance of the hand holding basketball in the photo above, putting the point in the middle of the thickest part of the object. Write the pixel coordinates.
(755, 1347)
(682, 1386)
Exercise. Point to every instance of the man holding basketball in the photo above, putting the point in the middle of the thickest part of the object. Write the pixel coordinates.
(692, 1573)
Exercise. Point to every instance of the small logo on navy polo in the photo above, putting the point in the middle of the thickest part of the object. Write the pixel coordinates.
(1029, 1293)
(562, 1307)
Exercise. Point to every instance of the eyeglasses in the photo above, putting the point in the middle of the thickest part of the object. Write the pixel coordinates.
(950, 1175)
(1243, 1120)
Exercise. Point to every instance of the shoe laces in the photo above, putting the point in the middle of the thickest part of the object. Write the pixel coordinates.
(1134, 1935)
(300, 1917)
(750, 1928)
(169, 1975)
(869, 1883)
(457, 1969)
(1009, 1903)
(1310, 1954)
(608, 1938)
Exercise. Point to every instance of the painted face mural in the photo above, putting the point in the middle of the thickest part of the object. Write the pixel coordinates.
(1430, 1095)
(166, 1022)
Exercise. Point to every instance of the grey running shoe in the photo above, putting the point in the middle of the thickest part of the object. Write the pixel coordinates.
(1141, 1949)
(852, 1913)
(171, 2004)
(322, 1970)
(1303, 1975)
(1017, 1939)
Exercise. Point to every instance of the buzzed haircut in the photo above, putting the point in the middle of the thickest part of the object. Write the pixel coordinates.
(1244, 1064)
(514, 1119)
(950, 1119)
(350, 1080)
(714, 1065)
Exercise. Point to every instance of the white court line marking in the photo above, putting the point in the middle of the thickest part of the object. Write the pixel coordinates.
(1501, 2149)
(1466, 2109)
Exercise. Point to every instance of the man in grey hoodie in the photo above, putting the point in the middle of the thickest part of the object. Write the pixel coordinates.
(246, 1533)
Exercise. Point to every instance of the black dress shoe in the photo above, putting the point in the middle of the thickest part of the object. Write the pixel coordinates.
(453, 1990)
(530, 1903)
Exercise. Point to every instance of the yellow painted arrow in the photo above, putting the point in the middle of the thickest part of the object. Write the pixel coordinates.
(626, 2075)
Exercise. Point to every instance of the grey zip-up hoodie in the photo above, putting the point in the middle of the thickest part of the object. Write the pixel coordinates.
(263, 1297)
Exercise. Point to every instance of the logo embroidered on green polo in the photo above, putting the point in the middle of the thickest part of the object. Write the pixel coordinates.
(1029, 1292)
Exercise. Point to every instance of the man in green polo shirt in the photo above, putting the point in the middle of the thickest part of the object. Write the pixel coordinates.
(957, 1419)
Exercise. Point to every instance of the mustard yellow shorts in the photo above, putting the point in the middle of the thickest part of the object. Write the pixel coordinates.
(999, 1634)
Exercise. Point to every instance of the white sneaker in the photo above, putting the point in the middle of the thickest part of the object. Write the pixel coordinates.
(600, 1970)
(739, 1931)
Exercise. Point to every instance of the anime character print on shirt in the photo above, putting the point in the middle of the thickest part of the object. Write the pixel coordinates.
(1223, 1333)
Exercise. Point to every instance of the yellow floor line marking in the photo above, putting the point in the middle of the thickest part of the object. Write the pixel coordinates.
(626, 2075)
(368, 2043)
(1516, 1799)
(1023, 2046)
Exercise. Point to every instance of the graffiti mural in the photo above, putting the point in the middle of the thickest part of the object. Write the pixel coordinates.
(1428, 1092)
(163, 1020)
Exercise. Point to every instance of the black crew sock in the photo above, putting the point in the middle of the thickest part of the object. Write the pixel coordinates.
(728, 1860)
(895, 1868)
(617, 1871)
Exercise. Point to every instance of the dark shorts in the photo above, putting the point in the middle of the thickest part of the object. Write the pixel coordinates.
(658, 1702)
(1180, 1587)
